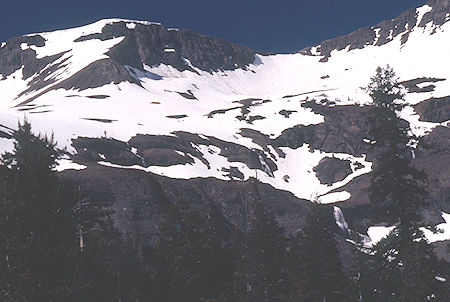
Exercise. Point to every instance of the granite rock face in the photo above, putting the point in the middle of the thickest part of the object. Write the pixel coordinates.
(331, 170)
(140, 199)
(154, 44)
(436, 110)
(142, 45)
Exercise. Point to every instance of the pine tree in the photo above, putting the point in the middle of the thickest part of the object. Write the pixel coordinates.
(361, 268)
(100, 252)
(37, 221)
(191, 261)
(321, 273)
(395, 182)
(262, 273)
(415, 275)
(405, 258)
(52, 234)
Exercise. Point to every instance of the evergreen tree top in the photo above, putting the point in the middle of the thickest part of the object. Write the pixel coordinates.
(31, 152)
(385, 90)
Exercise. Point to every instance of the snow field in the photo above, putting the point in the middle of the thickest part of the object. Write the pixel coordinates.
(129, 109)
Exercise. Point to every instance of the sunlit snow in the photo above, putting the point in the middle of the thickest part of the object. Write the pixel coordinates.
(376, 233)
(144, 109)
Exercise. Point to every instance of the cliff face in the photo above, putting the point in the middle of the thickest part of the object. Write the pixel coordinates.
(142, 44)
(182, 49)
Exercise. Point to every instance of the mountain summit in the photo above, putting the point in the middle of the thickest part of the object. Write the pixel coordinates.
(204, 118)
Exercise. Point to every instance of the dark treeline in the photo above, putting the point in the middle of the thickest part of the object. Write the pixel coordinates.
(58, 243)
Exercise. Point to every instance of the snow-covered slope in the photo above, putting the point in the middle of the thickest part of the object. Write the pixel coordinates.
(112, 79)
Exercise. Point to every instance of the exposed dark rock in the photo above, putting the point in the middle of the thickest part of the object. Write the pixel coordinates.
(234, 173)
(436, 110)
(221, 111)
(188, 95)
(183, 142)
(245, 110)
(146, 44)
(441, 249)
(287, 113)
(101, 120)
(433, 158)
(160, 150)
(358, 165)
(29, 107)
(438, 15)
(331, 170)
(411, 85)
(305, 93)
(91, 150)
(12, 57)
(44, 111)
(177, 116)
(342, 132)
(246, 105)
(137, 197)
(260, 139)
(253, 118)
(360, 213)
(141, 198)
(233, 152)
(98, 96)
(4, 134)
(97, 74)
(43, 77)
(164, 157)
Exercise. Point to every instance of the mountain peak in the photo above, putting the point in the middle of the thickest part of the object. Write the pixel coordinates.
(97, 26)
(430, 16)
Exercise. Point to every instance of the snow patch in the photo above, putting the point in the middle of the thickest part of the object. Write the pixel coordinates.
(131, 25)
(418, 127)
(377, 35)
(444, 227)
(421, 11)
(376, 233)
(315, 51)
(67, 164)
(335, 197)
(390, 36)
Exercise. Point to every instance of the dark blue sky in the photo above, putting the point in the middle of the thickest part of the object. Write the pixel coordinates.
(266, 25)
